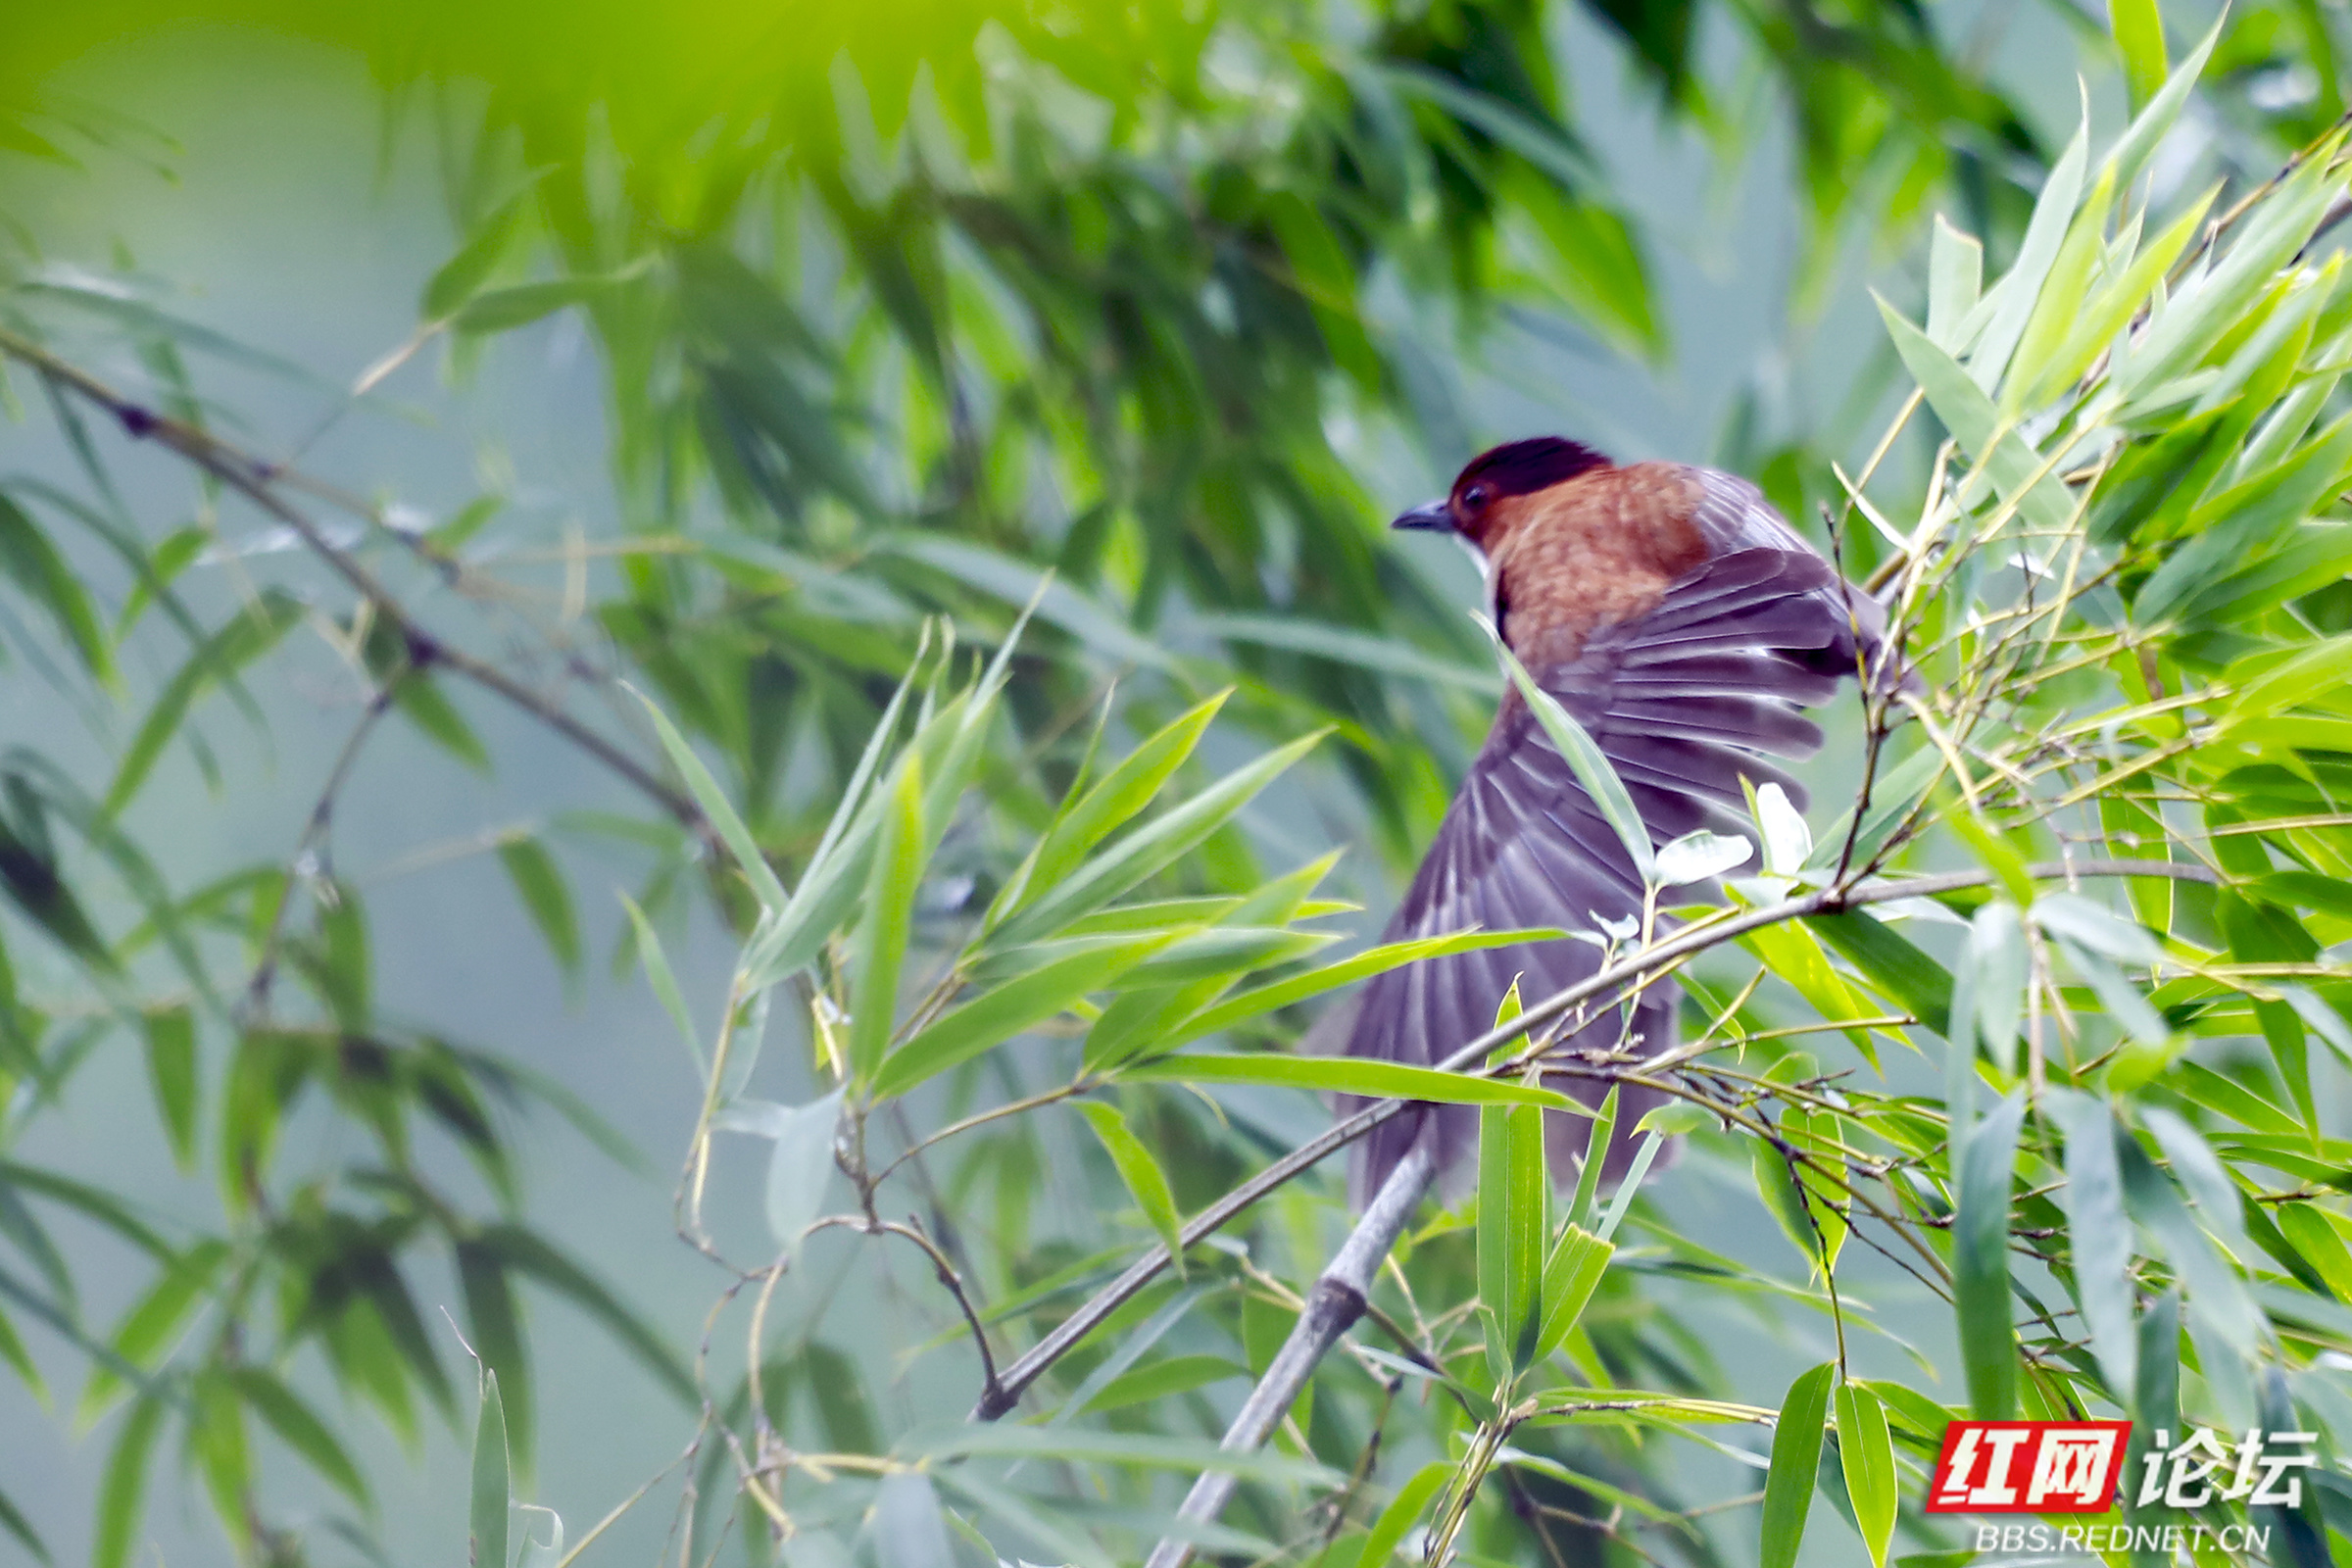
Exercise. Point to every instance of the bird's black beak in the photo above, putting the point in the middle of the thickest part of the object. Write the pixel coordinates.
(1432, 515)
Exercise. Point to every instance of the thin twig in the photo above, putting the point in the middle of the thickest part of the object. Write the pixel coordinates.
(258, 481)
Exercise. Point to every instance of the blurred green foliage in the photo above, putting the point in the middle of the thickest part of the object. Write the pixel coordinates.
(902, 306)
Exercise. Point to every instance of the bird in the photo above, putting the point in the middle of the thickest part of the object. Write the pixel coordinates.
(1684, 623)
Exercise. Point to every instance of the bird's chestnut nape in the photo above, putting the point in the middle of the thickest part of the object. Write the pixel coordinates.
(1514, 469)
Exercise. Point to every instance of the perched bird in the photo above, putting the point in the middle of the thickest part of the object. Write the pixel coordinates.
(1683, 623)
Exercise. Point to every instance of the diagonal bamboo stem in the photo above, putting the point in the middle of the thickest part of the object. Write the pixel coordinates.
(1332, 1307)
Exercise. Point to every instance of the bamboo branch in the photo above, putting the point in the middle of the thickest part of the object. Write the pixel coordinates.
(257, 481)
(1332, 1307)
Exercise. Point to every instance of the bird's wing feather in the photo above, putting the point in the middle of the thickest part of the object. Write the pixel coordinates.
(1684, 701)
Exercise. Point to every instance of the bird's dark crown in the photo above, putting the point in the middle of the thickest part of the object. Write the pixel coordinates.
(1523, 467)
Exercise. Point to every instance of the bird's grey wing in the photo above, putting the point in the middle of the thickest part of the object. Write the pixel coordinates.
(1684, 701)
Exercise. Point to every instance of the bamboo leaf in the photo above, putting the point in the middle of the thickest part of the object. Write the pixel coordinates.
(123, 1488)
(2102, 1235)
(172, 1077)
(1795, 1461)
(1955, 276)
(1345, 1075)
(1511, 1193)
(545, 897)
(1145, 849)
(492, 1491)
(1403, 1512)
(2138, 28)
(1981, 1261)
(1371, 961)
(243, 638)
(878, 950)
(1571, 1274)
(1106, 807)
(1865, 1454)
(1015, 1005)
(301, 1430)
(1145, 1182)
(718, 808)
(34, 564)
(1584, 1205)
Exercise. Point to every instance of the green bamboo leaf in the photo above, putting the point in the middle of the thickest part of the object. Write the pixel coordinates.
(502, 309)
(2138, 28)
(1403, 1512)
(1791, 952)
(1955, 276)
(540, 885)
(1162, 1380)
(1892, 962)
(718, 808)
(2203, 1175)
(461, 277)
(1056, 603)
(909, 1527)
(12, 1520)
(171, 1076)
(1145, 1182)
(252, 631)
(1584, 1207)
(2246, 518)
(1865, 1454)
(664, 982)
(494, 1330)
(1345, 1075)
(1371, 961)
(1778, 1186)
(1347, 645)
(122, 1489)
(2021, 287)
(1087, 821)
(14, 1352)
(527, 1251)
(492, 1491)
(301, 1430)
(1796, 1462)
(2102, 1235)
(1818, 1135)
(1630, 1188)
(1325, 279)
(2014, 467)
(2321, 1244)
(2190, 320)
(2063, 292)
(2115, 301)
(423, 703)
(1144, 850)
(2149, 126)
(1015, 1005)
(1921, 1416)
(36, 565)
(1980, 1259)
(878, 950)
(1571, 1274)
(1511, 1193)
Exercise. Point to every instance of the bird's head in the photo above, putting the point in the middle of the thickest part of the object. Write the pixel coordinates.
(1491, 491)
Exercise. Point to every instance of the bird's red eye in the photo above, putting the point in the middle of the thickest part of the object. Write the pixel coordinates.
(1475, 498)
